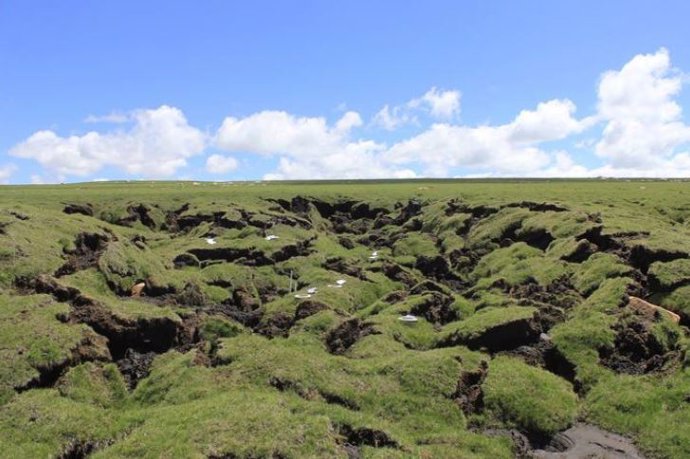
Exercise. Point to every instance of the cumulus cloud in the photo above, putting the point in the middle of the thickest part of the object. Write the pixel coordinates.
(348, 121)
(219, 164)
(552, 120)
(6, 172)
(280, 133)
(642, 134)
(505, 149)
(158, 144)
(439, 104)
(644, 124)
(392, 118)
(308, 147)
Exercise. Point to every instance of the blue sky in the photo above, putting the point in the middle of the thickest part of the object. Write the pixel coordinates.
(220, 90)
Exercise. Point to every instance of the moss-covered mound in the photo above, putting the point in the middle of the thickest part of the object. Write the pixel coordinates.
(405, 319)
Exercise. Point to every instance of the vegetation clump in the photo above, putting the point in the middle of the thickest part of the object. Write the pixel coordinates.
(264, 320)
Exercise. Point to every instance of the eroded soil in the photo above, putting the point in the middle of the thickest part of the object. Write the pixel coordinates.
(482, 280)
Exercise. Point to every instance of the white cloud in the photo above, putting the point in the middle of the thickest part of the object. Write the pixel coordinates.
(392, 118)
(308, 147)
(218, 164)
(643, 134)
(158, 144)
(440, 104)
(348, 121)
(37, 179)
(276, 132)
(644, 122)
(505, 149)
(552, 120)
(6, 172)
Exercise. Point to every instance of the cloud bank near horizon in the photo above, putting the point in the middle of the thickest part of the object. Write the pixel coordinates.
(636, 130)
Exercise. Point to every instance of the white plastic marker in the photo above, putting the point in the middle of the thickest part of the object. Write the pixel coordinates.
(311, 290)
(374, 253)
(211, 241)
(302, 295)
(270, 237)
(338, 284)
(408, 319)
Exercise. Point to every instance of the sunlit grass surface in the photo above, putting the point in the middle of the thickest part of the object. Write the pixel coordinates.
(240, 367)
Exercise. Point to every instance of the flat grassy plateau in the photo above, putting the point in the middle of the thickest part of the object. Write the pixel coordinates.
(527, 293)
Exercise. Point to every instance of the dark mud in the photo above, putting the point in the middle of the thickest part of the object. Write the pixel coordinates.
(354, 437)
(641, 257)
(395, 297)
(19, 216)
(436, 308)
(308, 308)
(582, 251)
(349, 209)
(559, 294)
(88, 249)
(638, 255)
(437, 268)
(456, 206)
(464, 260)
(81, 449)
(249, 257)
(218, 219)
(245, 256)
(346, 242)
(283, 384)
(340, 265)
(468, 394)
(637, 349)
(138, 213)
(341, 338)
(543, 354)
(277, 325)
(83, 209)
(429, 286)
(191, 296)
(300, 249)
(538, 206)
(135, 366)
(397, 273)
(243, 307)
(502, 337)
(538, 238)
(186, 259)
(603, 242)
(143, 335)
(93, 348)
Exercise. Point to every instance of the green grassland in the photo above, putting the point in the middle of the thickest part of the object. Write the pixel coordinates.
(521, 291)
